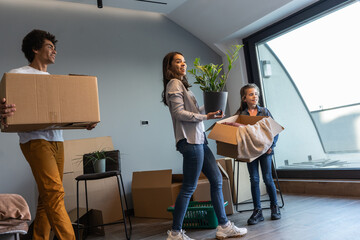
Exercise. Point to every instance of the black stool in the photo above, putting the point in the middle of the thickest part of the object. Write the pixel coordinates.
(112, 170)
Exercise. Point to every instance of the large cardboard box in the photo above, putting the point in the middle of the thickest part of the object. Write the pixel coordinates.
(153, 192)
(103, 194)
(225, 135)
(50, 101)
(202, 192)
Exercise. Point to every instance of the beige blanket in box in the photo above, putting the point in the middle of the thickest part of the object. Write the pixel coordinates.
(254, 140)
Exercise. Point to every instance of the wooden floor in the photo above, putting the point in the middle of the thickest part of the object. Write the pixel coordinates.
(303, 218)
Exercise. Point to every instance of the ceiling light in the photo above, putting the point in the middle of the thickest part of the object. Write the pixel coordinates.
(99, 3)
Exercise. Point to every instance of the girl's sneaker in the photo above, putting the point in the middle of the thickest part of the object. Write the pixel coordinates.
(275, 212)
(180, 236)
(256, 217)
(230, 231)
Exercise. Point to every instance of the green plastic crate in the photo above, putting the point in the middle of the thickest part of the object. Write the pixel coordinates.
(199, 215)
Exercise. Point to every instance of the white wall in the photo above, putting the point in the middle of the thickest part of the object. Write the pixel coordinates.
(124, 49)
(237, 77)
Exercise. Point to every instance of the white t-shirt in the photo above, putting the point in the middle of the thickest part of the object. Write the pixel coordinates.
(48, 135)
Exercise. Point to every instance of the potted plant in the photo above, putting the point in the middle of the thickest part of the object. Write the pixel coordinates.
(98, 160)
(212, 79)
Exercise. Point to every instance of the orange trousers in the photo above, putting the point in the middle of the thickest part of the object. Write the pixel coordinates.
(46, 160)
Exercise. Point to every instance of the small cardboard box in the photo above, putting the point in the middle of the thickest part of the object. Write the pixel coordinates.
(225, 135)
(202, 192)
(153, 192)
(50, 101)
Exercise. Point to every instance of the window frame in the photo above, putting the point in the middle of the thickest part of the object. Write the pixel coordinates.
(295, 20)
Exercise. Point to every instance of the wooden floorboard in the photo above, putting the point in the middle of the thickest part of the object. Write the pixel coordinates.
(303, 217)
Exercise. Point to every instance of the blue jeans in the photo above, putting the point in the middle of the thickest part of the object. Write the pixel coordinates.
(197, 158)
(265, 161)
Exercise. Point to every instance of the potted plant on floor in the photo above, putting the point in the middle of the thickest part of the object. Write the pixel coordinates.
(212, 79)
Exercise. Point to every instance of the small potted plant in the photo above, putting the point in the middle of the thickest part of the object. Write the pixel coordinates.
(212, 79)
(98, 160)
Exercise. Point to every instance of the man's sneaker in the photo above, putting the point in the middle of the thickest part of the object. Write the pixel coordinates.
(275, 212)
(230, 231)
(180, 236)
(256, 217)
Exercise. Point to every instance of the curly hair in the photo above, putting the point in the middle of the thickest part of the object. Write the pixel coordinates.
(34, 40)
(168, 74)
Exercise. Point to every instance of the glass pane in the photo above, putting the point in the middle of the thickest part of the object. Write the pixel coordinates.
(310, 85)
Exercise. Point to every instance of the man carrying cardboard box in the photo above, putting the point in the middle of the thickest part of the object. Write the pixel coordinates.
(43, 149)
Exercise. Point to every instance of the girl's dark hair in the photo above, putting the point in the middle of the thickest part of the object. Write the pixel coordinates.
(34, 40)
(243, 104)
(168, 74)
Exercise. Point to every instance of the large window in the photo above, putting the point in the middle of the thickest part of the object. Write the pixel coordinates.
(306, 66)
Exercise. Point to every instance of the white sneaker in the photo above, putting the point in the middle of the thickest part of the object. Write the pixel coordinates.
(230, 231)
(181, 236)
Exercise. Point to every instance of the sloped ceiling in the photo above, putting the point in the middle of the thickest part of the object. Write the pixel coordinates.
(215, 22)
(159, 6)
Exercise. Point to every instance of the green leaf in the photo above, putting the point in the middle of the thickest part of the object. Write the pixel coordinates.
(209, 76)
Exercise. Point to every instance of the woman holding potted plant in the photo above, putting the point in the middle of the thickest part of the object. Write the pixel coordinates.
(191, 142)
(212, 79)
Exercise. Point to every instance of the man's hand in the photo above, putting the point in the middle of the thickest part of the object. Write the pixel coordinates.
(91, 126)
(6, 110)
